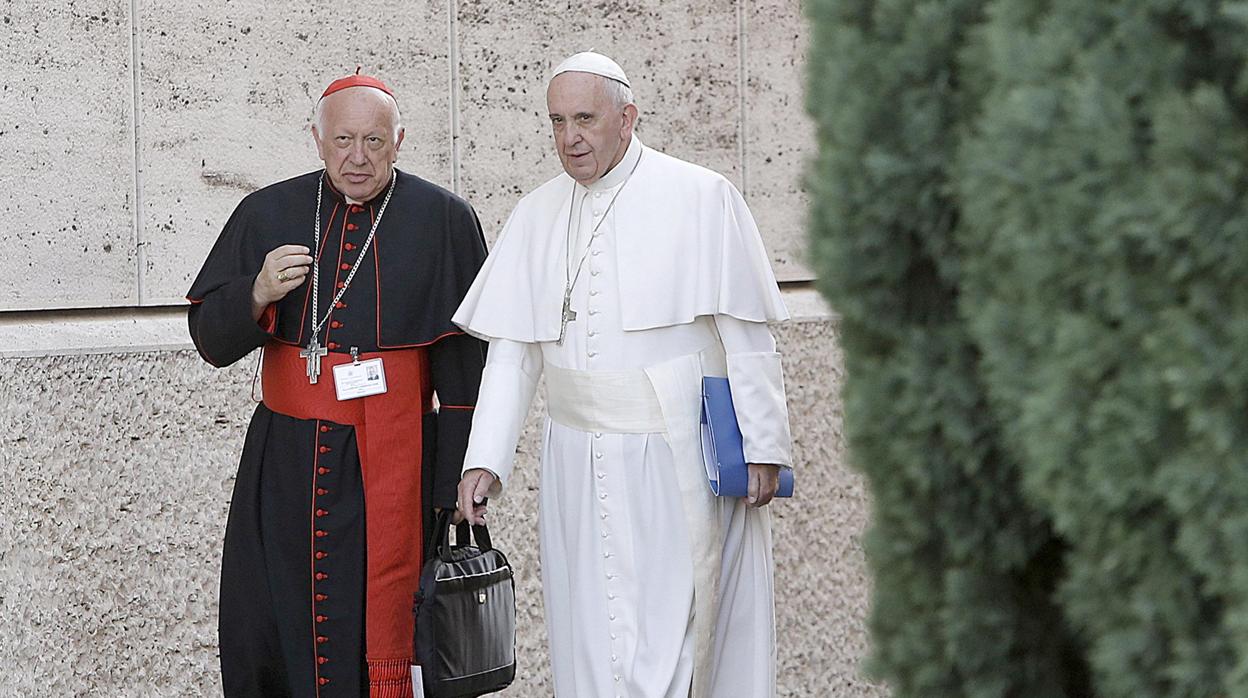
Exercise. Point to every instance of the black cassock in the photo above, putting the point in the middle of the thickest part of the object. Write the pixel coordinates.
(295, 571)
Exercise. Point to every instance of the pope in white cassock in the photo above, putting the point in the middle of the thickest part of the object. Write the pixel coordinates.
(625, 280)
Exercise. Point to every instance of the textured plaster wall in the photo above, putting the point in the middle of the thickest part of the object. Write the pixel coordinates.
(137, 126)
(118, 474)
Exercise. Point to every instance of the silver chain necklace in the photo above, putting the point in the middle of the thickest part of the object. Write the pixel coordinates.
(313, 353)
(568, 314)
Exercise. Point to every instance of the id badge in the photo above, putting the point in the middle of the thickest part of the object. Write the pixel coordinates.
(418, 682)
(359, 379)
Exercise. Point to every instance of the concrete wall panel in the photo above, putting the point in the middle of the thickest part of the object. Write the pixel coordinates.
(119, 473)
(681, 58)
(227, 97)
(778, 133)
(66, 131)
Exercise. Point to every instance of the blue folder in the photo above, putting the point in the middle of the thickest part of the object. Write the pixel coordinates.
(722, 450)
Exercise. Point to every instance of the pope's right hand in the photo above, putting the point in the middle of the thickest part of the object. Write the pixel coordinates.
(473, 487)
(284, 270)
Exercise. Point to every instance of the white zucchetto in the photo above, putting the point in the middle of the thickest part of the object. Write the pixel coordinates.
(595, 63)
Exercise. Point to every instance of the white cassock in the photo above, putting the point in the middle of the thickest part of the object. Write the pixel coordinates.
(653, 586)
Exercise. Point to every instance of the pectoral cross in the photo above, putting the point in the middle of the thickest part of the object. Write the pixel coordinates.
(568, 316)
(313, 355)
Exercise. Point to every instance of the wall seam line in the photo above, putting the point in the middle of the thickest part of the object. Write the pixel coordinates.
(743, 119)
(140, 256)
(453, 59)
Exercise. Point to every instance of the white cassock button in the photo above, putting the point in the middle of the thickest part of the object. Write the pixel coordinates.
(592, 354)
(602, 496)
(605, 556)
(612, 617)
(611, 597)
(606, 535)
(615, 658)
(601, 476)
(612, 636)
(598, 456)
(594, 292)
(598, 435)
(597, 252)
(597, 195)
(594, 272)
(617, 676)
(604, 516)
(593, 311)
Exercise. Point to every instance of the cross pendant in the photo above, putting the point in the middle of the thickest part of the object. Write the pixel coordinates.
(313, 355)
(568, 316)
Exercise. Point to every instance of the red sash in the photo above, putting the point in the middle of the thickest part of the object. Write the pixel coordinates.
(388, 431)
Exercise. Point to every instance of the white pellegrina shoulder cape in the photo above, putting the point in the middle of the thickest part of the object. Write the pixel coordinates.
(686, 244)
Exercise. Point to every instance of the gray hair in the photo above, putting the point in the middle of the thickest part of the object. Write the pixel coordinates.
(619, 93)
(318, 115)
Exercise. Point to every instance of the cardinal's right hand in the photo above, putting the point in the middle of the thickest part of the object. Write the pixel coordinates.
(284, 270)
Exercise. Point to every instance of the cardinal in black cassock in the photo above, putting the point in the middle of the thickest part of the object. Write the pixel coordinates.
(323, 546)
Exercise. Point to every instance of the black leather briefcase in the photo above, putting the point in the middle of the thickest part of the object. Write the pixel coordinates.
(465, 615)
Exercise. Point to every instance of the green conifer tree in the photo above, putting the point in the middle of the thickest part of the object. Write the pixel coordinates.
(1030, 216)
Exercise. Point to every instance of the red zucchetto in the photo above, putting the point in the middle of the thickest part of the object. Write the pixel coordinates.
(356, 80)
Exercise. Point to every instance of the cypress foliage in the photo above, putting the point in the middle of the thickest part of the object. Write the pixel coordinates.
(1031, 217)
(963, 568)
(1102, 191)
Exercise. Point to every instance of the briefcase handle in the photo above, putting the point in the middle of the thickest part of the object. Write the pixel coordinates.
(440, 536)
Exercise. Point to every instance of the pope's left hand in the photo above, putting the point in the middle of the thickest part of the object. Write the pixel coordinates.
(764, 481)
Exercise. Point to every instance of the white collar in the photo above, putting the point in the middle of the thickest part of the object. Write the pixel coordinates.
(618, 174)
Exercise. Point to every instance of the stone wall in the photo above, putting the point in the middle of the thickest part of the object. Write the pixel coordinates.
(134, 127)
(145, 122)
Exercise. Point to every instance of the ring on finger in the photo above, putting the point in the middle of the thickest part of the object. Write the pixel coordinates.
(281, 275)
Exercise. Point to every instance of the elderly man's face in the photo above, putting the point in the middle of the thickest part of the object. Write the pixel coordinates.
(591, 131)
(359, 144)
